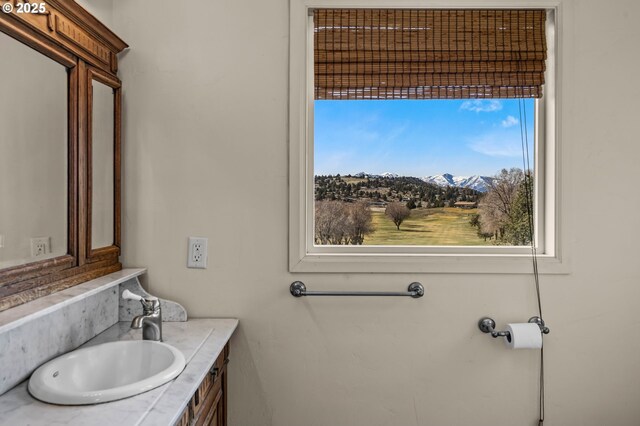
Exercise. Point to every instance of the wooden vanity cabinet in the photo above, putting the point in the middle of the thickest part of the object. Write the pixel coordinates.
(208, 405)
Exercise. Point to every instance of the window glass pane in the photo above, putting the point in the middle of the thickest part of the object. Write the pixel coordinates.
(423, 172)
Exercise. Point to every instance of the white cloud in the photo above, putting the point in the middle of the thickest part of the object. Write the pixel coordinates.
(480, 105)
(509, 121)
(497, 145)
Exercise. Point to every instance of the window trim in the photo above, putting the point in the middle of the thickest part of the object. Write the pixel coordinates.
(304, 256)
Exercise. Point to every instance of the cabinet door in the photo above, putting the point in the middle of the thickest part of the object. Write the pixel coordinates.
(215, 418)
(210, 408)
(220, 418)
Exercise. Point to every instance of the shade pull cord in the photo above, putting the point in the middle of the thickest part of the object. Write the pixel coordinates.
(528, 185)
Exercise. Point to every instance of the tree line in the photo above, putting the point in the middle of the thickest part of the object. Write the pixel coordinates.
(390, 189)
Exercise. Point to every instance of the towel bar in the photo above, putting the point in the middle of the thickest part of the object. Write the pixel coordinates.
(298, 289)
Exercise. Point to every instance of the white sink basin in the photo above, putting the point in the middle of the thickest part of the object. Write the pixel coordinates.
(106, 372)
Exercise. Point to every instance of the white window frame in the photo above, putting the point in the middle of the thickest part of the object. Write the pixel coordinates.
(304, 256)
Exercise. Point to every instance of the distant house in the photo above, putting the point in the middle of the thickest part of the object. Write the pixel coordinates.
(465, 204)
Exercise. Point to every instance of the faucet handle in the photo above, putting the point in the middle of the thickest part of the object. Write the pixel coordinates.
(131, 296)
(149, 302)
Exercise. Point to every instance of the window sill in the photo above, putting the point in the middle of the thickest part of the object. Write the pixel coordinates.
(427, 263)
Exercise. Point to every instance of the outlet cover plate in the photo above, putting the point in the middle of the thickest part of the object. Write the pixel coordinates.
(40, 246)
(197, 253)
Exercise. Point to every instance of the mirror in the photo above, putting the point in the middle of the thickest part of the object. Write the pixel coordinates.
(103, 165)
(33, 155)
(55, 190)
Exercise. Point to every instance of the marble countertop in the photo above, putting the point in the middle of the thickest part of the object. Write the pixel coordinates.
(200, 340)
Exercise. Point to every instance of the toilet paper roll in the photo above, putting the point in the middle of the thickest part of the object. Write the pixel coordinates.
(523, 336)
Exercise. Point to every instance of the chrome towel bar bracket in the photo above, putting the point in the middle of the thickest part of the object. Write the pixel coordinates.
(298, 289)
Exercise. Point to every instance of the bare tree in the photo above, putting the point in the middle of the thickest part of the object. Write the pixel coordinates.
(360, 221)
(330, 220)
(337, 222)
(397, 212)
(495, 206)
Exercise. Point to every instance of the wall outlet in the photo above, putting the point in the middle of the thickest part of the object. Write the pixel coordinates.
(40, 246)
(197, 253)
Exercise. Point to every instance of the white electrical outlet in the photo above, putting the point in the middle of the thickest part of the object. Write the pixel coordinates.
(40, 246)
(197, 253)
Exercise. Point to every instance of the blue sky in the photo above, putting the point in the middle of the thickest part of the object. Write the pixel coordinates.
(419, 138)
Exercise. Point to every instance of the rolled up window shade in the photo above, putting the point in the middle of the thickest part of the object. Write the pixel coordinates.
(429, 53)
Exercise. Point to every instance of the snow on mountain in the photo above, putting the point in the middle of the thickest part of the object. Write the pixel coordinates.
(372, 175)
(440, 180)
(476, 182)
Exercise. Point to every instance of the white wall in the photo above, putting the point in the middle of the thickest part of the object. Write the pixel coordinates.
(101, 9)
(205, 154)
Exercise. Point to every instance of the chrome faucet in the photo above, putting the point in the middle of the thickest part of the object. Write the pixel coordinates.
(151, 319)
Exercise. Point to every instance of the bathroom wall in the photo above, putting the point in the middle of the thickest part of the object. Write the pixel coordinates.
(101, 9)
(205, 154)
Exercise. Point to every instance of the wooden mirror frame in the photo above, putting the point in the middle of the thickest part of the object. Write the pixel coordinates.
(93, 74)
(73, 37)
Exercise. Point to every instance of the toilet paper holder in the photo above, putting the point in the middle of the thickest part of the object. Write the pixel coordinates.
(488, 325)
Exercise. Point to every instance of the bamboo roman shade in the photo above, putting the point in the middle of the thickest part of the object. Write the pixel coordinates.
(428, 53)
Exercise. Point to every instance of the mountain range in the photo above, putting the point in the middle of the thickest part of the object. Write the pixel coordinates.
(475, 182)
(383, 175)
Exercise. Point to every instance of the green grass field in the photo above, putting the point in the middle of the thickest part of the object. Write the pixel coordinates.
(431, 227)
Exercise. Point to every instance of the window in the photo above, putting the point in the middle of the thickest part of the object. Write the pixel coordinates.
(423, 173)
(392, 101)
